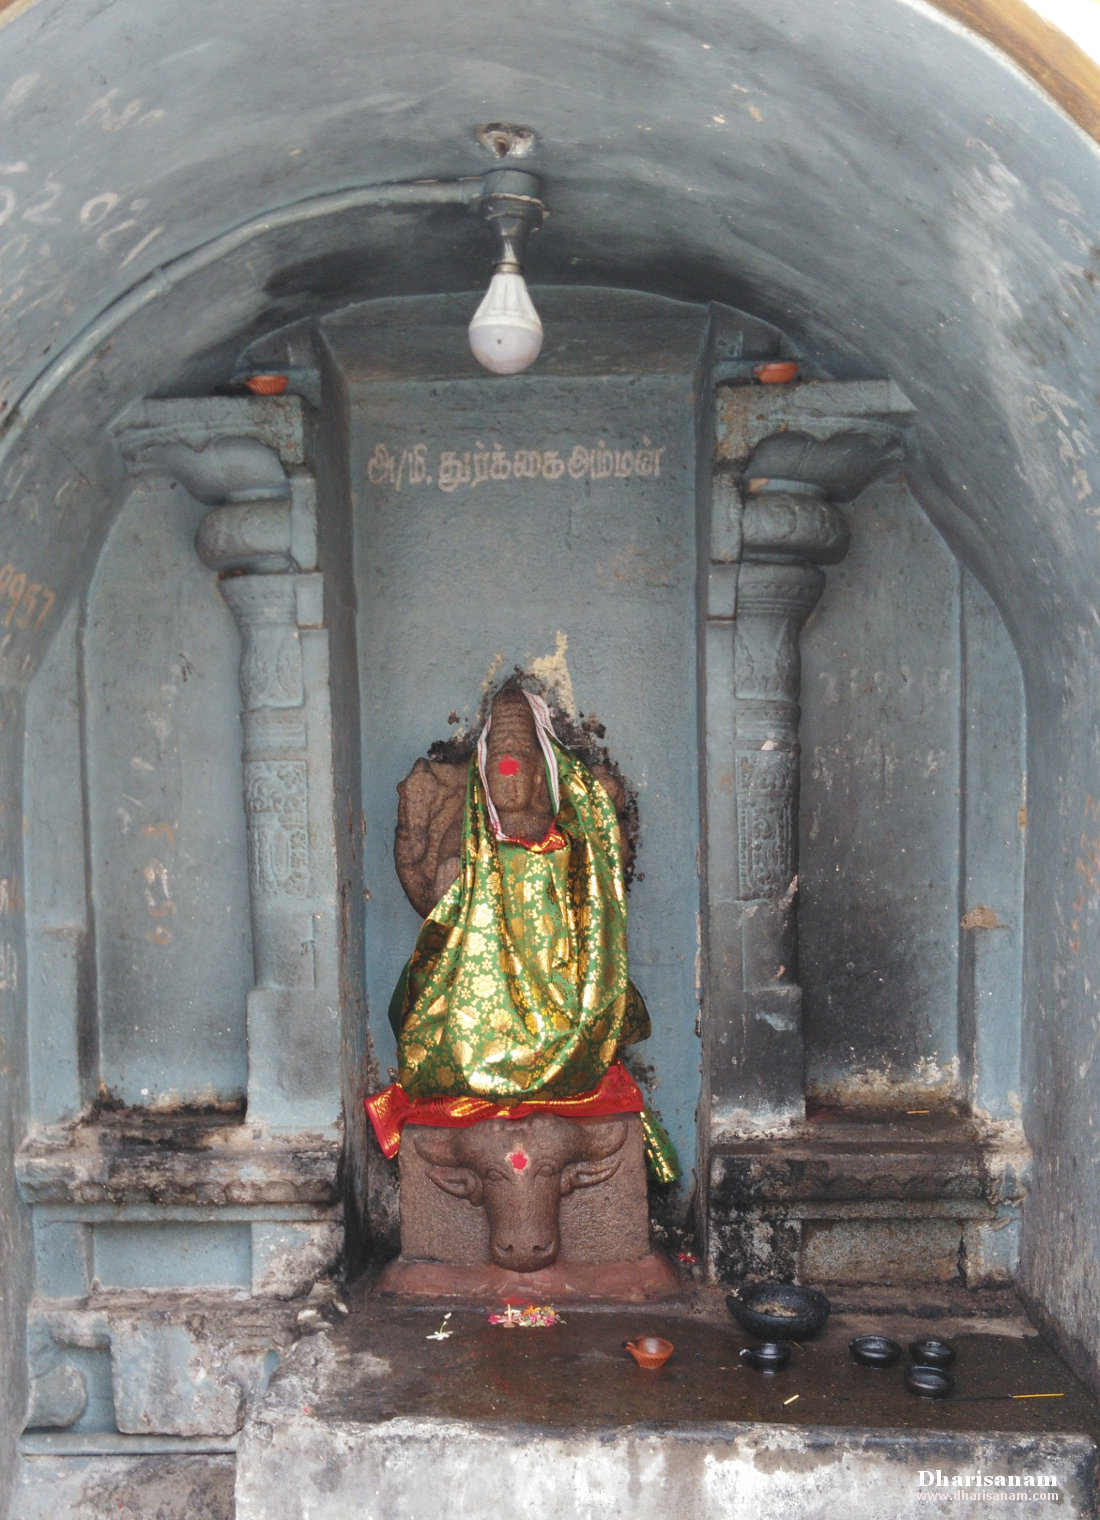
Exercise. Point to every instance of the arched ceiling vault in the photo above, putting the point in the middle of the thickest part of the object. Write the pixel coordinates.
(896, 195)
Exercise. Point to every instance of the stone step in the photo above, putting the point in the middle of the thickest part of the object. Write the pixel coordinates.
(399, 1413)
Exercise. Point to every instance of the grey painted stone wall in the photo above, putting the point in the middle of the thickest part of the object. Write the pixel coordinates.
(331, 450)
(15, 1278)
(1060, 1250)
(60, 960)
(166, 829)
(879, 938)
(913, 772)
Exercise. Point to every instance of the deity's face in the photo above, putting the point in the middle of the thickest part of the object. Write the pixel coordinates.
(514, 766)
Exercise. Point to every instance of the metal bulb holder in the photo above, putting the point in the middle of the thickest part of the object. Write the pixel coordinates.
(505, 331)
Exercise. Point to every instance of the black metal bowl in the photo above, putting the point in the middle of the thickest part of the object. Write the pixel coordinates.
(931, 1352)
(778, 1311)
(929, 1382)
(874, 1350)
(767, 1356)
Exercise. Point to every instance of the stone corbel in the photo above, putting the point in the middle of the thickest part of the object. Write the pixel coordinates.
(785, 457)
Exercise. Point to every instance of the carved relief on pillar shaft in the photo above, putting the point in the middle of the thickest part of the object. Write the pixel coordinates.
(276, 775)
(766, 724)
(773, 601)
(784, 591)
(793, 525)
(273, 731)
(767, 821)
(265, 608)
(277, 812)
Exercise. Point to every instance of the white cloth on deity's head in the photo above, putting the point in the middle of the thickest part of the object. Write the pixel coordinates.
(544, 732)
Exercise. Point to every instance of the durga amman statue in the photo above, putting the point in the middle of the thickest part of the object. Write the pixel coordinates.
(516, 998)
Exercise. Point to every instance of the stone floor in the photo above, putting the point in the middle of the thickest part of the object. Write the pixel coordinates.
(376, 1416)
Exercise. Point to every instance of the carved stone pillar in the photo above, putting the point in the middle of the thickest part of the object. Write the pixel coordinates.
(293, 1028)
(275, 775)
(261, 539)
(775, 596)
(271, 1216)
(784, 456)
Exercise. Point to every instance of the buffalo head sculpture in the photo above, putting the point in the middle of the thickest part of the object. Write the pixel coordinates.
(519, 1170)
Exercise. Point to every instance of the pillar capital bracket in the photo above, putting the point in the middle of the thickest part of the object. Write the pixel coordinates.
(195, 422)
(831, 436)
(242, 456)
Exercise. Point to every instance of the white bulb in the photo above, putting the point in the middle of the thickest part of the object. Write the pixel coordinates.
(505, 331)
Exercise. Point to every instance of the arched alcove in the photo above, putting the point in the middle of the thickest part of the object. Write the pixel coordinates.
(556, 528)
(893, 197)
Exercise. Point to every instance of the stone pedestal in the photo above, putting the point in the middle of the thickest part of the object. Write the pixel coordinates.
(924, 1199)
(542, 1207)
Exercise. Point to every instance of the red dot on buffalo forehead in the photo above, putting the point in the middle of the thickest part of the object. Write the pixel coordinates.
(509, 766)
(518, 1160)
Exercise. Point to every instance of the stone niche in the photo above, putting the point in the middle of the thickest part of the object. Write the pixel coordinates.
(826, 907)
(551, 524)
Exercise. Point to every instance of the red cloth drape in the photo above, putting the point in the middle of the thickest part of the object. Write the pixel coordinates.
(392, 1108)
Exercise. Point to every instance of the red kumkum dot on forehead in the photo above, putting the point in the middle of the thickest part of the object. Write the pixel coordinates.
(508, 766)
(518, 1160)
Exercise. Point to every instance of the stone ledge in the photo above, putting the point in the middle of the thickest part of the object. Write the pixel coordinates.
(170, 1485)
(901, 1199)
(826, 1162)
(109, 1443)
(146, 1158)
(87, 1321)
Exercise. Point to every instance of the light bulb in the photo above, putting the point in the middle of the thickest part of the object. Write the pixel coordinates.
(505, 331)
